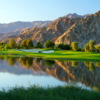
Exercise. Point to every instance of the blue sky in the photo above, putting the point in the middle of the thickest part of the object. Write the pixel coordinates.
(32, 10)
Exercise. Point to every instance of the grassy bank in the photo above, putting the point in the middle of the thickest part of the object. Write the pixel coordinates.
(62, 54)
(57, 93)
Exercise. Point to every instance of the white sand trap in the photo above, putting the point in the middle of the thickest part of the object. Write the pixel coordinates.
(31, 50)
(35, 50)
(50, 51)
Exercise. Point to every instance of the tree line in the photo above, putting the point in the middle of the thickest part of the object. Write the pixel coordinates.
(28, 44)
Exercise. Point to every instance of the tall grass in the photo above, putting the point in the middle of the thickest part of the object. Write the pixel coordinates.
(57, 93)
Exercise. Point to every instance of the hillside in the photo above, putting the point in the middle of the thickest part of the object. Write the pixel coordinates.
(72, 27)
(50, 32)
(73, 15)
(86, 29)
(14, 28)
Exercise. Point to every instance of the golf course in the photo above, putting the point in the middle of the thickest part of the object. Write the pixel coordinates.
(52, 53)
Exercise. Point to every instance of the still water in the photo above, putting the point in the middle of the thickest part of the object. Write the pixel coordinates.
(26, 72)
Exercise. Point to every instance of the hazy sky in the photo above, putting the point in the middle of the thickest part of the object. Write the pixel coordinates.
(32, 10)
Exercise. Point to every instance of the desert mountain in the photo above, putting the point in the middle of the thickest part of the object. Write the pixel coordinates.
(86, 29)
(6, 28)
(14, 28)
(73, 15)
(72, 27)
(50, 32)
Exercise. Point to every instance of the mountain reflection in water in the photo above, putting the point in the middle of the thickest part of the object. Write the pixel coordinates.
(64, 72)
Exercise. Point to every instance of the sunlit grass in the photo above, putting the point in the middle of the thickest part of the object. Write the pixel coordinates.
(65, 54)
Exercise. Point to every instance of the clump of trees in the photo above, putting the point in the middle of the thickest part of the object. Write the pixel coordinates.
(2, 45)
(74, 46)
(97, 48)
(64, 46)
(49, 44)
(86, 47)
(25, 44)
(28, 44)
(90, 46)
(39, 45)
(12, 44)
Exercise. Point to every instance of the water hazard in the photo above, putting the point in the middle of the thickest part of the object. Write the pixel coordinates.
(26, 72)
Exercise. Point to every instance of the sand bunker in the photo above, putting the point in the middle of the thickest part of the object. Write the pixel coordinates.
(50, 51)
(35, 50)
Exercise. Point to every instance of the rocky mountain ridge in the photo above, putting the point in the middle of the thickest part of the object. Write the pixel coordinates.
(86, 29)
(14, 28)
(64, 30)
(73, 15)
(51, 32)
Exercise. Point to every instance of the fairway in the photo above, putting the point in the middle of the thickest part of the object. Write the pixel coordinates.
(57, 54)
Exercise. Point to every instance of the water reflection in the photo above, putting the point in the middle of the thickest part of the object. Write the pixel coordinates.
(49, 62)
(74, 63)
(11, 80)
(97, 64)
(90, 66)
(69, 72)
(25, 61)
(11, 61)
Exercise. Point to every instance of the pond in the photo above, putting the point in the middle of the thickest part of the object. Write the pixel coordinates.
(26, 72)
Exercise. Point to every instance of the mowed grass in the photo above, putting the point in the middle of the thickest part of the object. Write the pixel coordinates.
(58, 54)
(56, 93)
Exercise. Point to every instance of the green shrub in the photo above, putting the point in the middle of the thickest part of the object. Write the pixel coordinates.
(12, 44)
(49, 44)
(97, 48)
(64, 46)
(39, 45)
(74, 46)
(91, 45)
